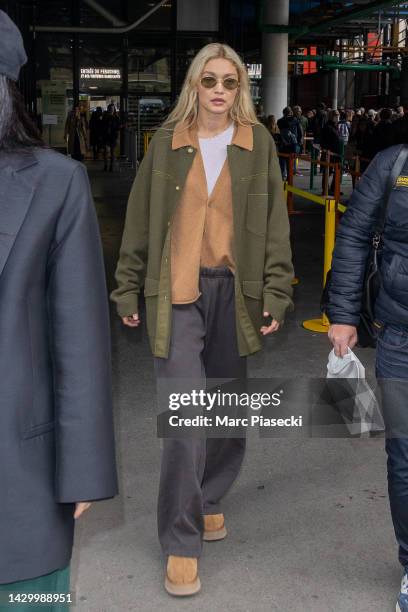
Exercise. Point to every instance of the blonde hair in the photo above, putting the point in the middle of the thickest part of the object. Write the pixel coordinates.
(186, 109)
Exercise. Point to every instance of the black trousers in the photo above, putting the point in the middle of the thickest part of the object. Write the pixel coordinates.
(197, 472)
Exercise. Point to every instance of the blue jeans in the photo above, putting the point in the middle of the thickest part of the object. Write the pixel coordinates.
(392, 375)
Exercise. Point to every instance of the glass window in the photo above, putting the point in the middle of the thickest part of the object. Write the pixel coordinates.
(149, 70)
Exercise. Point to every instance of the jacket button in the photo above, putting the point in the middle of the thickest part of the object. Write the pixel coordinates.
(168, 223)
(177, 187)
(190, 150)
(165, 297)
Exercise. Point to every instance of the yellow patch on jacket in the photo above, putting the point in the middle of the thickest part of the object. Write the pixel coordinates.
(402, 181)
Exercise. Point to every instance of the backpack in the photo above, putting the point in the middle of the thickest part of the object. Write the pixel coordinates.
(288, 138)
(344, 131)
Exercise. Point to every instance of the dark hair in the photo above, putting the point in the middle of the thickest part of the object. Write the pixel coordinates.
(17, 131)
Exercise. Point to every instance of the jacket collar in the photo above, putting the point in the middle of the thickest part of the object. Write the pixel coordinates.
(184, 136)
(17, 160)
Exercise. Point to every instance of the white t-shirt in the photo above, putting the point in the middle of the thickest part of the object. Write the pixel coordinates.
(214, 153)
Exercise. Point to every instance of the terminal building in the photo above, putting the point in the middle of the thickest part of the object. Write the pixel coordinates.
(135, 54)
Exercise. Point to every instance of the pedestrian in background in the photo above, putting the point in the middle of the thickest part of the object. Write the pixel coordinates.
(76, 135)
(96, 132)
(272, 126)
(111, 128)
(290, 139)
(330, 141)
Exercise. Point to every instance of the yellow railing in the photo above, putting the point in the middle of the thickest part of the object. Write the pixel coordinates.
(322, 323)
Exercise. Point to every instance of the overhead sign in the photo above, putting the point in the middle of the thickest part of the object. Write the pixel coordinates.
(100, 73)
(254, 71)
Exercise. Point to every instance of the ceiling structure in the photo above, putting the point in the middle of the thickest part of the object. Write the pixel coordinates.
(311, 21)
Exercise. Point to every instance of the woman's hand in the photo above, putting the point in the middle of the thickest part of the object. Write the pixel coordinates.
(80, 508)
(269, 329)
(341, 337)
(132, 320)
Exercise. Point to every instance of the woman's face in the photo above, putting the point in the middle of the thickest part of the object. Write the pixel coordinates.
(217, 99)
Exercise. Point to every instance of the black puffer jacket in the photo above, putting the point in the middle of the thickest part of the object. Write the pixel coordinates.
(353, 243)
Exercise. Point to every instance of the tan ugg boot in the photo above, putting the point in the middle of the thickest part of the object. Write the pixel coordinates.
(182, 576)
(214, 527)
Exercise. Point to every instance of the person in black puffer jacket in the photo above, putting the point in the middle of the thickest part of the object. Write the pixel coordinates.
(391, 310)
(290, 138)
(330, 141)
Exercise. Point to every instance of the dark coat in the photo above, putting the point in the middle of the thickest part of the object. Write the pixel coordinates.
(56, 431)
(330, 138)
(96, 129)
(110, 128)
(383, 137)
(75, 128)
(290, 124)
(317, 124)
(353, 244)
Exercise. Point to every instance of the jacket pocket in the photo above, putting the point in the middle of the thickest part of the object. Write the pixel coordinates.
(257, 213)
(38, 430)
(151, 287)
(393, 338)
(253, 289)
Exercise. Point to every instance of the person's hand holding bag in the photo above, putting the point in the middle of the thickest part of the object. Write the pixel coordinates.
(342, 337)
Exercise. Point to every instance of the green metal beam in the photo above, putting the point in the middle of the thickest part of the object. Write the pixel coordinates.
(320, 59)
(297, 31)
(393, 70)
(331, 62)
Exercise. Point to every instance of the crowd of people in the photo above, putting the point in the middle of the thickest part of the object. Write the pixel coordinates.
(104, 128)
(344, 132)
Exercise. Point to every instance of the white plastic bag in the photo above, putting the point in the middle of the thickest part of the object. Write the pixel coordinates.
(353, 396)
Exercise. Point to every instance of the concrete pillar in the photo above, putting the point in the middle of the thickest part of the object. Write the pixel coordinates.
(342, 88)
(335, 99)
(275, 59)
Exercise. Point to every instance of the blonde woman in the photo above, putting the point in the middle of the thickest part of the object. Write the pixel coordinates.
(207, 234)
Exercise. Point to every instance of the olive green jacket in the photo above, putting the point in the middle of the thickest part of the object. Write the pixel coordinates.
(261, 246)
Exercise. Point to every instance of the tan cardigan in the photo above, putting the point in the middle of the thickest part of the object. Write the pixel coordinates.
(202, 228)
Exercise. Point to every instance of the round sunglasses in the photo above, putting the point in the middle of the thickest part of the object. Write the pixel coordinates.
(209, 82)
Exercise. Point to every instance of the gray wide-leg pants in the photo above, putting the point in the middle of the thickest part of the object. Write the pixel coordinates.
(197, 472)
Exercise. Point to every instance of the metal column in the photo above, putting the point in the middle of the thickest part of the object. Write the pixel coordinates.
(76, 21)
(275, 59)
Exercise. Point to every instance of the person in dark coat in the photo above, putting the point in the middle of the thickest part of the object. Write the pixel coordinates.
(56, 431)
(350, 256)
(383, 135)
(96, 131)
(290, 138)
(318, 122)
(75, 134)
(330, 140)
(111, 128)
